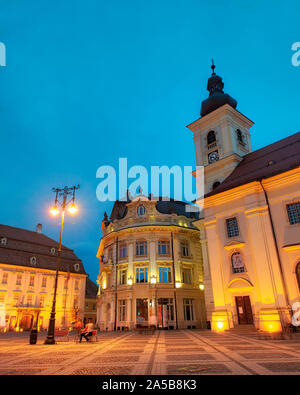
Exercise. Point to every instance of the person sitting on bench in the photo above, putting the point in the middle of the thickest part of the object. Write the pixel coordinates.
(87, 332)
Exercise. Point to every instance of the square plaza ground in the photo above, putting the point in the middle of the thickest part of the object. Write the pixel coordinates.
(190, 352)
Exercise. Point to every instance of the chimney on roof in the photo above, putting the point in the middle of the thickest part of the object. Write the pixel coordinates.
(39, 228)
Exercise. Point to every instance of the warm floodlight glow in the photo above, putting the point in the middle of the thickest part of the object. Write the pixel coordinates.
(54, 210)
(73, 209)
(153, 280)
(220, 325)
(201, 286)
(178, 284)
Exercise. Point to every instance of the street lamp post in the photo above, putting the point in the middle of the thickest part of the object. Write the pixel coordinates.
(64, 193)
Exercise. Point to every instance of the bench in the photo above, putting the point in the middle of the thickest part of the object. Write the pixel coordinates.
(61, 334)
(94, 336)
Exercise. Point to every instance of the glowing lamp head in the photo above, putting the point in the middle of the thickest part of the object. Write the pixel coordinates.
(178, 284)
(201, 286)
(153, 280)
(73, 209)
(54, 210)
(129, 282)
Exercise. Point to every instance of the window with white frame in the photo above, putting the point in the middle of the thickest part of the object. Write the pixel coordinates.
(293, 210)
(232, 227)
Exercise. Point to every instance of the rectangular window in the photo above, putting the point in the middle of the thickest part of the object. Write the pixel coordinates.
(293, 211)
(2, 298)
(186, 275)
(122, 310)
(184, 248)
(4, 278)
(165, 274)
(122, 276)
(163, 247)
(29, 300)
(188, 309)
(123, 250)
(42, 301)
(76, 285)
(141, 274)
(232, 227)
(75, 303)
(19, 279)
(44, 282)
(31, 281)
(141, 248)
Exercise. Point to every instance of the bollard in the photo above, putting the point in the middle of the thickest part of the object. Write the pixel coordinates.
(33, 336)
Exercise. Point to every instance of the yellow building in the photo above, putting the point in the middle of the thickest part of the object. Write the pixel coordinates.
(150, 268)
(27, 272)
(90, 303)
(250, 233)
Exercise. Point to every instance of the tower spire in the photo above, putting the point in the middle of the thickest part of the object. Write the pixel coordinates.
(213, 67)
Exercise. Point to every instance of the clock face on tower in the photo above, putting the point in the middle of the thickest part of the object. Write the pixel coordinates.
(213, 157)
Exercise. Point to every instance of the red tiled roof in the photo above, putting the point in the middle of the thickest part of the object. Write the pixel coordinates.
(266, 162)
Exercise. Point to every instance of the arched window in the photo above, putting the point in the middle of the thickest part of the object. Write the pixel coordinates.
(141, 210)
(237, 263)
(211, 137)
(298, 274)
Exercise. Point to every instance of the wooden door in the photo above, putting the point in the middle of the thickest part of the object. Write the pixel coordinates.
(244, 310)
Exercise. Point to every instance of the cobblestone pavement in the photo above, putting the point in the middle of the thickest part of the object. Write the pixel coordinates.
(190, 352)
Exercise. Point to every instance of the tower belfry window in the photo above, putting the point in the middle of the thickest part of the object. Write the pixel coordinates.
(211, 137)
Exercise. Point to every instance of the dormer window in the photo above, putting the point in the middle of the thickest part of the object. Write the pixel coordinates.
(33, 260)
(141, 210)
(76, 267)
(3, 241)
(52, 251)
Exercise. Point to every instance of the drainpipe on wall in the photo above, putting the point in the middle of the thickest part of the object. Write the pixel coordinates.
(277, 253)
(175, 300)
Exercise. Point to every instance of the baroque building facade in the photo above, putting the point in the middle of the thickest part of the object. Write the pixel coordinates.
(150, 269)
(250, 230)
(27, 273)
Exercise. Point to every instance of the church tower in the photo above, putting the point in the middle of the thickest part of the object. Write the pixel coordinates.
(221, 134)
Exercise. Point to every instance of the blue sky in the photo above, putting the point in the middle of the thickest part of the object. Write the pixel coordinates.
(87, 82)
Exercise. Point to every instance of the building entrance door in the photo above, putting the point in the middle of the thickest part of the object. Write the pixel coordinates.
(244, 310)
(142, 311)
